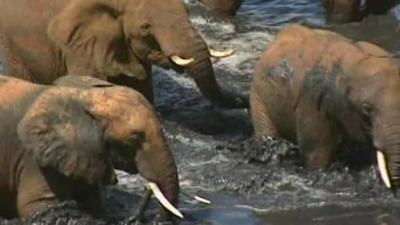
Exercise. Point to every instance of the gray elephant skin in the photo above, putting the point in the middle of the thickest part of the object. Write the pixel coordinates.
(63, 142)
(114, 40)
(319, 90)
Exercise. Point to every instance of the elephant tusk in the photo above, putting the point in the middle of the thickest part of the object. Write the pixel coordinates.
(161, 198)
(202, 200)
(180, 61)
(221, 54)
(383, 168)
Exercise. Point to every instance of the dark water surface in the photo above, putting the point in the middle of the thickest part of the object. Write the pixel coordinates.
(253, 183)
(257, 184)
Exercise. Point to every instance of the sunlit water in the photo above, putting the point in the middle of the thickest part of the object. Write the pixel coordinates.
(250, 183)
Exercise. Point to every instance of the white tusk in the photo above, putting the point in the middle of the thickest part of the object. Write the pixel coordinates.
(202, 200)
(181, 62)
(221, 54)
(383, 168)
(164, 201)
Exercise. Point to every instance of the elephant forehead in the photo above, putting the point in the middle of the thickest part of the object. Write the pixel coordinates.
(117, 100)
(123, 113)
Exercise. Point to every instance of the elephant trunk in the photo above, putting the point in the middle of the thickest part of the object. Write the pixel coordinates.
(156, 164)
(186, 43)
(386, 140)
(202, 72)
(392, 158)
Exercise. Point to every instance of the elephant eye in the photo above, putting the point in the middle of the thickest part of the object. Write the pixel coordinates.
(366, 109)
(145, 29)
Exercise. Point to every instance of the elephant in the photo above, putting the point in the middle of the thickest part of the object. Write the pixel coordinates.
(321, 91)
(344, 11)
(225, 8)
(62, 142)
(114, 40)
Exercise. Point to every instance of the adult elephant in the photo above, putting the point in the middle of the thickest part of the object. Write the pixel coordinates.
(115, 40)
(344, 11)
(62, 142)
(319, 89)
(226, 8)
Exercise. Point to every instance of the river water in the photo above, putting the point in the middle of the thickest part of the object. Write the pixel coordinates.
(252, 183)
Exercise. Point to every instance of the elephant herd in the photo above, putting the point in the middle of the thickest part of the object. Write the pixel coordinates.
(76, 102)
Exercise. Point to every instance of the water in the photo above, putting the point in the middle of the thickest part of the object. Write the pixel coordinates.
(251, 183)
(246, 182)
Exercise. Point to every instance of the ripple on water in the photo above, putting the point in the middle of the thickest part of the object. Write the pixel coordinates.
(249, 182)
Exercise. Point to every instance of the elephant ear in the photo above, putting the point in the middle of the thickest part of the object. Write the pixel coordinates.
(84, 82)
(91, 31)
(62, 135)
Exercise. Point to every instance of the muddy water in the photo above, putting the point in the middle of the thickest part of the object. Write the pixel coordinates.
(262, 183)
(254, 183)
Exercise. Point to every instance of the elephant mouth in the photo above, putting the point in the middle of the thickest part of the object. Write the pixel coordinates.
(383, 169)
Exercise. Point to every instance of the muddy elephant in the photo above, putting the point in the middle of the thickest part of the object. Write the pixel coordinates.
(226, 8)
(117, 40)
(321, 90)
(62, 143)
(344, 11)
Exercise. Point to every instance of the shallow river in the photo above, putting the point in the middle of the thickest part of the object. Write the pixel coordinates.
(251, 183)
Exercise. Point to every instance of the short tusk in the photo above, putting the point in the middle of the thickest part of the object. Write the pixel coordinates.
(161, 198)
(383, 168)
(202, 200)
(180, 61)
(221, 54)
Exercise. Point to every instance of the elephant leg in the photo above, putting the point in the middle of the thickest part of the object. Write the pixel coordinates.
(317, 138)
(262, 123)
(33, 191)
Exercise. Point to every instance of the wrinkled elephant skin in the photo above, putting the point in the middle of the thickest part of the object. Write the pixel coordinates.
(62, 142)
(117, 41)
(317, 88)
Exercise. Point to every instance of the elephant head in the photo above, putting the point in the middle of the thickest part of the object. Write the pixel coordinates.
(343, 11)
(87, 133)
(375, 90)
(128, 36)
(223, 7)
(386, 128)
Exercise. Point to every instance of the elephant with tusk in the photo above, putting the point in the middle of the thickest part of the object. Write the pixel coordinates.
(114, 40)
(345, 11)
(321, 90)
(62, 142)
